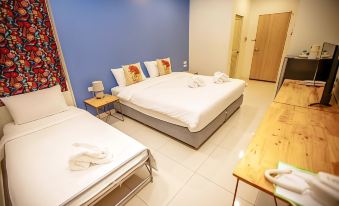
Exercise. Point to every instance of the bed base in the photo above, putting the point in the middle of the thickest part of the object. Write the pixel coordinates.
(109, 188)
(133, 192)
(193, 139)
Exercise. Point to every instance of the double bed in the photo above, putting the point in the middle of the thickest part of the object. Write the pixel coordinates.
(37, 155)
(169, 105)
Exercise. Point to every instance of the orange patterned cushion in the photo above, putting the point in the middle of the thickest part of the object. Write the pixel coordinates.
(164, 66)
(133, 73)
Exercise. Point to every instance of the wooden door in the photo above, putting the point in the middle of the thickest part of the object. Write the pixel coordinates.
(269, 45)
(236, 45)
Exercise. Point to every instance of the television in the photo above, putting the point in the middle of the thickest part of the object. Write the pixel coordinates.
(327, 94)
(332, 53)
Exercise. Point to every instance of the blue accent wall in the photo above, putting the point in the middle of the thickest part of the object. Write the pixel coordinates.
(97, 35)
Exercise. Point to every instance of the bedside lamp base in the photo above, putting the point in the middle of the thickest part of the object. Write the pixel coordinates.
(99, 95)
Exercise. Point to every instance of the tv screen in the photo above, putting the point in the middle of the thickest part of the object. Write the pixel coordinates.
(336, 88)
(327, 94)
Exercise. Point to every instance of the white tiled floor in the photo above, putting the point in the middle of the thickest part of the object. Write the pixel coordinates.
(200, 177)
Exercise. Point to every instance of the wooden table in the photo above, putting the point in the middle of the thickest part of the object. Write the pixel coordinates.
(293, 92)
(101, 105)
(293, 133)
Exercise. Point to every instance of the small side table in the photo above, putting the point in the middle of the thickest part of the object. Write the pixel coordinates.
(102, 105)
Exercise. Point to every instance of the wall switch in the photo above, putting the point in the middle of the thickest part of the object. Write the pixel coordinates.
(90, 89)
(185, 62)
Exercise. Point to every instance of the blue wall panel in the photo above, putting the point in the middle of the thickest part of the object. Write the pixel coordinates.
(96, 36)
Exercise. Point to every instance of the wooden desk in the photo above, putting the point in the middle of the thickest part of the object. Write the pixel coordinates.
(293, 92)
(295, 134)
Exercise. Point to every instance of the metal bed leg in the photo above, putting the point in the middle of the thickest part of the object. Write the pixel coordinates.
(150, 170)
(235, 192)
(140, 186)
(149, 166)
(121, 112)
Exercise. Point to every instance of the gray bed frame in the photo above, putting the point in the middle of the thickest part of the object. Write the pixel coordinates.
(194, 139)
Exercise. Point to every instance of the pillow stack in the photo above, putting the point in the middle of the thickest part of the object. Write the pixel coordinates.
(132, 73)
(134, 77)
(152, 68)
(164, 66)
(159, 67)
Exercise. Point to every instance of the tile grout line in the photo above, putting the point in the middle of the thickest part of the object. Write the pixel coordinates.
(194, 173)
(141, 199)
(180, 189)
(232, 192)
(226, 190)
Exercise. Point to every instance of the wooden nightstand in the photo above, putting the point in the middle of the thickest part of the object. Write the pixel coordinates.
(101, 106)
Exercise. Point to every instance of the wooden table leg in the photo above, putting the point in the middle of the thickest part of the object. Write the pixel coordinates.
(235, 192)
(275, 201)
(98, 114)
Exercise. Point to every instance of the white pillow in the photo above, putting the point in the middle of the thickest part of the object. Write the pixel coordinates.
(35, 105)
(152, 68)
(119, 76)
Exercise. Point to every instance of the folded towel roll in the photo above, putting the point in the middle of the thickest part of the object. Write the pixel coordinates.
(88, 156)
(220, 78)
(195, 81)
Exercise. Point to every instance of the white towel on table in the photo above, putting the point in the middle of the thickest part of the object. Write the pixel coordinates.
(195, 81)
(220, 78)
(88, 156)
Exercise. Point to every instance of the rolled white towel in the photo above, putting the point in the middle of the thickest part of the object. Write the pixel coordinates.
(191, 83)
(199, 81)
(88, 156)
(220, 78)
(195, 81)
(92, 151)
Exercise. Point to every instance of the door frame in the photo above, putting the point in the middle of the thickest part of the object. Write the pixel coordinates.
(240, 44)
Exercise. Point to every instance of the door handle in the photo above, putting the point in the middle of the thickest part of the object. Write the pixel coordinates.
(256, 49)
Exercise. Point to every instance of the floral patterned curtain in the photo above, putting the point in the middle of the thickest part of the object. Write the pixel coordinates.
(28, 52)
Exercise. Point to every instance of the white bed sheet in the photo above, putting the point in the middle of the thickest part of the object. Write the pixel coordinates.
(168, 98)
(37, 157)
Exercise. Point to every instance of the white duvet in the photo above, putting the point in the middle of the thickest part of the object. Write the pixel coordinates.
(37, 155)
(171, 96)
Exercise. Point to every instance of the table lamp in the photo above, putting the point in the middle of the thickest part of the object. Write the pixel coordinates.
(98, 89)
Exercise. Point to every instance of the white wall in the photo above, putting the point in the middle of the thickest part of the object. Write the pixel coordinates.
(259, 7)
(210, 35)
(316, 22)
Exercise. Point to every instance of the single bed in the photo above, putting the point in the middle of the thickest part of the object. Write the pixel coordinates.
(191, 115)
(37, 155)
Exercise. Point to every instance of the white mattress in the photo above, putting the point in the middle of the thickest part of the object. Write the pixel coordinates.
(37, 157)
(169, 99)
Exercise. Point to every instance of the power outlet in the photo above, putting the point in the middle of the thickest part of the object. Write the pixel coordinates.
(184, 64)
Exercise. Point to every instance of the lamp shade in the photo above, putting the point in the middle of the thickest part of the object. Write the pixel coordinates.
(98, 86)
